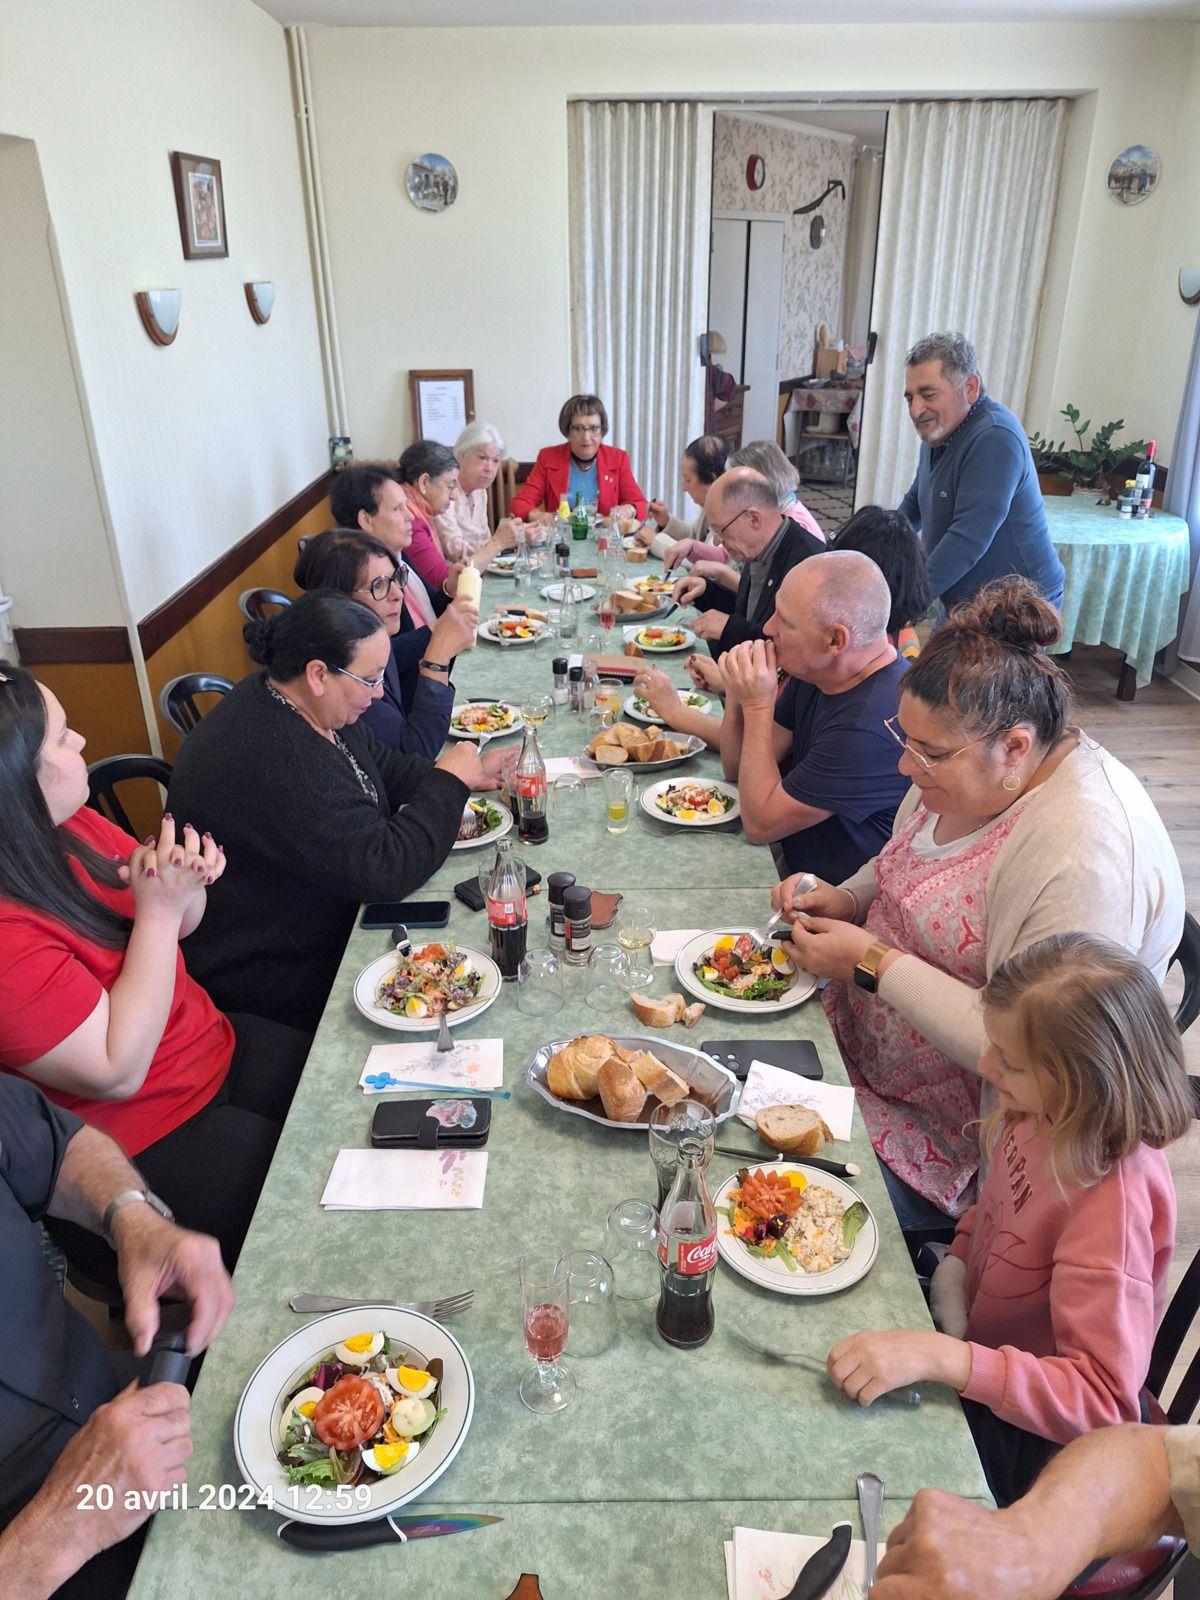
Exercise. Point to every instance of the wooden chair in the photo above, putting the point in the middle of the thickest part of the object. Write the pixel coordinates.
(104, 776)
(254, 603)
(177, 701)
(500, 495)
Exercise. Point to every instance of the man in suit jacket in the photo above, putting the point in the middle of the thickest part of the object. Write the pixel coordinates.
(583, 465)
(743, 515)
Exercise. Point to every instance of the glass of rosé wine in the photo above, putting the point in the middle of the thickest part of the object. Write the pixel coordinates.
(545, 1279)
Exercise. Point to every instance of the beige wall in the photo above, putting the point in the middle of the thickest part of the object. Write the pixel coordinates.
(200, 442)
(485, 285)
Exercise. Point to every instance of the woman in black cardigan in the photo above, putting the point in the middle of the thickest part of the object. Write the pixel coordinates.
(306, 801)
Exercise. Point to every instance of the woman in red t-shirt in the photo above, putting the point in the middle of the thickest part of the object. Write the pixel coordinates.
(96, 1006)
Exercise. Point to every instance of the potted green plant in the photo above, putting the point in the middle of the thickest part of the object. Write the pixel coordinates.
(1062, 470)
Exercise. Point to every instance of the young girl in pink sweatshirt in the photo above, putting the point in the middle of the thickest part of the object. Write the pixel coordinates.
(1051, 1293)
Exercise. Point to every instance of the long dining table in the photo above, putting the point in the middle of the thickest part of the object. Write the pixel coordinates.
(632, 1490)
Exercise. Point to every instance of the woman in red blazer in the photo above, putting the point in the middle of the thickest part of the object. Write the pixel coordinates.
(600, 472)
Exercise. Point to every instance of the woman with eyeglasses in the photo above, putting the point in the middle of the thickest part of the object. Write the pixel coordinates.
(585, 467)
(319, 815)
(1017, 827)
(413, 718)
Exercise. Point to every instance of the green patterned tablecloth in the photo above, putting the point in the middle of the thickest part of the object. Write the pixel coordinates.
(1123, 579)
(633, 1489)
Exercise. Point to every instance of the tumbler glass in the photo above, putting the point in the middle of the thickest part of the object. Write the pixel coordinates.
(631, 1244)
(593, 1305)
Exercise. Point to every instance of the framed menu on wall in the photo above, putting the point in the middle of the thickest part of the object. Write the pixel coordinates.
(442, 404)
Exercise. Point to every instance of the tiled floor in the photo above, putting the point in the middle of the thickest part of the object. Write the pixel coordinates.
(828, 502)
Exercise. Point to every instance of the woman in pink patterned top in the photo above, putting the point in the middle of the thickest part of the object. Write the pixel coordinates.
(1018, 827)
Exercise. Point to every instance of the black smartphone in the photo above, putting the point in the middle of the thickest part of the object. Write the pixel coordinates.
(412, 913)
(793, 1055)
(471, 895)
(431, 1124)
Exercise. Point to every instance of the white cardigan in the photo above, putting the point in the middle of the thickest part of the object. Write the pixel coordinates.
(1089, 853)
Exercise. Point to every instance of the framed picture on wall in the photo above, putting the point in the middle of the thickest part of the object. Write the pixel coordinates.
(200, 201)
(442, 404)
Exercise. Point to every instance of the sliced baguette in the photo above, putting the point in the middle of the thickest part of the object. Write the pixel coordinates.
(658, 1078)
(621, 1091)
(660, 1013)
(693, 1013)
(795, 1130)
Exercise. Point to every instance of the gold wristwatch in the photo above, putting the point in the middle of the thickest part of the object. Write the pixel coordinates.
(866, 973)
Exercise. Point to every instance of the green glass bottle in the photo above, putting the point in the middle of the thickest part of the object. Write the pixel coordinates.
(579, 521)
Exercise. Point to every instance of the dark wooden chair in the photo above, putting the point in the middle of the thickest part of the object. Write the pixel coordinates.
(104, 776)
(177, 701)
(258, 604)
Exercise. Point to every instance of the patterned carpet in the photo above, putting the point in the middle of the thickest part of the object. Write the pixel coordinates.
(829, 503)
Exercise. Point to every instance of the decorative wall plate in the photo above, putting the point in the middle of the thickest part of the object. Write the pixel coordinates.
(1133, 175)
(432, 182)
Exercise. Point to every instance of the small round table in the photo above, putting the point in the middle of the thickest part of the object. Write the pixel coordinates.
(1123, 581)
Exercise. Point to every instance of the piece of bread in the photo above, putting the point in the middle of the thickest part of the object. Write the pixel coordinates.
(661, 1012)
(658, 1079)
(585, 572)
(621, 1091)
(571, 1072)
(795, 1130)
(609, 755)
(693, 1013)
(632, 648)
(636, 555)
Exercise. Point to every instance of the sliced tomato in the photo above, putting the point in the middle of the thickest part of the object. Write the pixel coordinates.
(348, 1413)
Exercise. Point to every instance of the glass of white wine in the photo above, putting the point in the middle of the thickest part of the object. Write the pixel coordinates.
(635, 935)
(536, 708)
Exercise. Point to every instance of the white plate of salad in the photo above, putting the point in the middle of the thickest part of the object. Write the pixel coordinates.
(693, 804)
(354, 1415)
(794, 1229)
(483, 820)
(733, 973)
(409, 992)
(640, 709)
(493, 717)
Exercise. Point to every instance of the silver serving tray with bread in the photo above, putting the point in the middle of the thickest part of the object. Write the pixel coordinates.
(707, 1079)
(692, 741)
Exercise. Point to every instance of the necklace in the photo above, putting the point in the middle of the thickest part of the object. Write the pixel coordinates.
(364, 782)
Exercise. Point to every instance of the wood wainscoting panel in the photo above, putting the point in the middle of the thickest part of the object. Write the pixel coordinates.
(102, 703)
(211, 639)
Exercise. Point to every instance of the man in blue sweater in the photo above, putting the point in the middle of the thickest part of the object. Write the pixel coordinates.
(975, 497)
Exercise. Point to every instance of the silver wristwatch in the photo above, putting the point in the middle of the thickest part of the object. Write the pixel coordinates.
(126, 1198)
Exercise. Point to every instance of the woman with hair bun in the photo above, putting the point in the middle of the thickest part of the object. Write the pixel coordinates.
(308, 801)
(1018, 827)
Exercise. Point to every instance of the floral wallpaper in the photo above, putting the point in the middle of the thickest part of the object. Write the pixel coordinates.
(798, 166)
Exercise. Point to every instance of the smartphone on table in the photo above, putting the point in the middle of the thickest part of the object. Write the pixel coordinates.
(412, 913)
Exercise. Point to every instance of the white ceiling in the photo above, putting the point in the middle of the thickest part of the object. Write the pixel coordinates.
(627, 13)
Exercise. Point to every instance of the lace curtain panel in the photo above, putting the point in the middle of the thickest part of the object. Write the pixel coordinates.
(640, 177)
(969, 193)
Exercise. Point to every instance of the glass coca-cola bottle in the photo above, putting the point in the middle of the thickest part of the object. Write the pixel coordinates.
(687, 1253)
(507, 916)
(530, 785)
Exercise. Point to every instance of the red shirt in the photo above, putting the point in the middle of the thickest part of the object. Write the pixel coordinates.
(50, 982)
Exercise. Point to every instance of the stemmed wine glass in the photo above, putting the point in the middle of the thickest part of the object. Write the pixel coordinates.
(545, 1278)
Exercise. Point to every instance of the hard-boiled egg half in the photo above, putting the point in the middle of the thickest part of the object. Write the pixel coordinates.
(709, 973)
(411, 1417)
(412, 1383)
(725, 942)
(686, 814)
(359, 1348)
(304, 1404)
(462, 969)
(414, 1006)
(389, 1458)
(780, 962)
(715, 808)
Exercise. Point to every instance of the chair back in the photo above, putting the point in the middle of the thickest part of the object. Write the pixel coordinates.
(501, 492)
(257, 604)
(1187, 954)
(177, 701)
(104, 776)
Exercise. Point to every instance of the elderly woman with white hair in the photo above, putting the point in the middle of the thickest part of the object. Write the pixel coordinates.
(462, 529)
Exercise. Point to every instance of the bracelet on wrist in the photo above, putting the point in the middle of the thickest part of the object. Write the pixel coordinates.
(854, 906)
(434, 666)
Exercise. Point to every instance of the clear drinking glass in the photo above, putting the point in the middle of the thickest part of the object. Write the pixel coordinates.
(609, 979)
(617, 790)
(593, 1305)
(544, 1278)
(635, 935)
(539, 984)
(631, 1244)
(599, 718)
(566, 800)
(536, 708)
(669, 1127)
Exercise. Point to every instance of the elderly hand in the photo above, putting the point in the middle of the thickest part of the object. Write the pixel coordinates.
(751, 673)
(951, 1549)
(156, 1260)
(493, 764)
(679, 550)
(706, 673)
(710, 624)
(452, 631)
(717, 572)
(463, 761)
(826, 900)
(661, 515)
(653, 685)
(508, 533)
(826, 947)
(867, 1365)
(688, 589)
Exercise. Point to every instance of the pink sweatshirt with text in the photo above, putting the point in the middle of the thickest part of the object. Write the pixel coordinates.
(1064, 1291)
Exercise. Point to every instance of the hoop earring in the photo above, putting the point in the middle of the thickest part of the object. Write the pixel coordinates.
(1011, 781)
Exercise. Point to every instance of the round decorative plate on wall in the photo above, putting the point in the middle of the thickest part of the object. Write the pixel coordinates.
(756, 173)
(432, 182)
(1133, 175)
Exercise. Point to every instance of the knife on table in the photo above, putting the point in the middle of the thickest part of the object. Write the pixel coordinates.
(397, 1529)
(823, 1568)
(839, 1169)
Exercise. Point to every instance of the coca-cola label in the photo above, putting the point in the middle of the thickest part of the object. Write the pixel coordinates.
(506, 913)
(692, 1256)
(531, 785)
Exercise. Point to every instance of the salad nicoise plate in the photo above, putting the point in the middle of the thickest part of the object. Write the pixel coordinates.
(409, 992)
(691, 805)
(483, 820)
(493, 717)
(658, 641)
(354, 1415)
(641, 711)
(794, 1229)
(503, 566)
(515, 629)
(709, 1082)
(732, 972)
(583, 591)
(654, 586)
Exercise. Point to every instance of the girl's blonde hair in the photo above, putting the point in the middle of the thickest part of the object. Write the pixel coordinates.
(1093, 1017)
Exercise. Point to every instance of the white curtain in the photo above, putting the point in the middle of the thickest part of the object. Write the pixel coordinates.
(969, 192)
(860, 246)
(1183, 498)
(640, 203)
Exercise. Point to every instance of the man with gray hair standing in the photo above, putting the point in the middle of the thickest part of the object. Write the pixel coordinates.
(975, 497)
(834, 805)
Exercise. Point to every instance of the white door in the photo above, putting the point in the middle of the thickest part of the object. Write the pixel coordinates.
(760, 362)
(727, 289)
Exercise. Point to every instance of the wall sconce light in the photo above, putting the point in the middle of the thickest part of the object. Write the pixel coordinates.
(260, 297)
(1189, 285)
(159, 311)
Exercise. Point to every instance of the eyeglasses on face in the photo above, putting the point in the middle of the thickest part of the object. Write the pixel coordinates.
(717, 532)
(586, 427)
(378, 588)
(367, 683)
(926, 763)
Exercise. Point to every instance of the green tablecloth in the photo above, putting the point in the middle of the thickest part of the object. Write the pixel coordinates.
(633, 1489)
(1123, 579)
